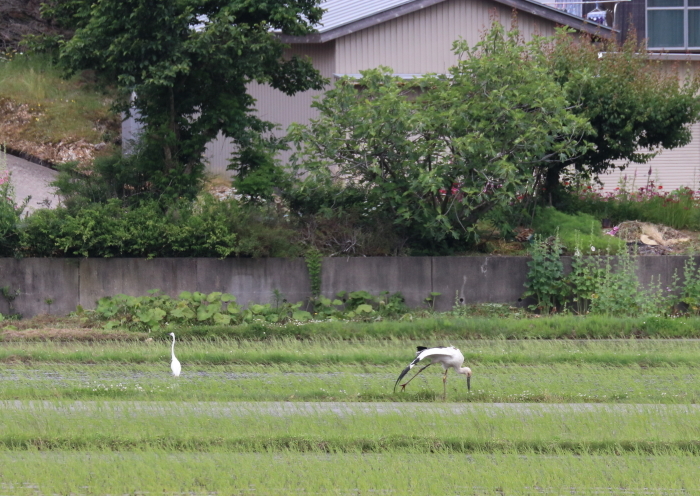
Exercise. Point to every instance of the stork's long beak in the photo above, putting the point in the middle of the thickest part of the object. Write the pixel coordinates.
(405, 371)
(469, 383)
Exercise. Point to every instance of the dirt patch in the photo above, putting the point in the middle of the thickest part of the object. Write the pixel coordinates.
(48, 321)
(15, 118)
(653, 239)
(19, 18)
(53, 334)
(57, 328)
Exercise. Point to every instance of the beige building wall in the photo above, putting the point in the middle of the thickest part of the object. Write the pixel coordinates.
(274, 106)
(421, 42)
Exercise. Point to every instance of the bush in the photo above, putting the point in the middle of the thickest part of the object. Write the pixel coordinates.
(10, 212)
(135, 178)
(205, 228)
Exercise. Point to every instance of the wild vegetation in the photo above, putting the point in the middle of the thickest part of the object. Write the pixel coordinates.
(407, 197)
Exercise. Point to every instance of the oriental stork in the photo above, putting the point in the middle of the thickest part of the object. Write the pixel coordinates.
(448, 356)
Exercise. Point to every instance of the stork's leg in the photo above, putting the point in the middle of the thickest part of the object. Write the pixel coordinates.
(444, 386)
(403, 386)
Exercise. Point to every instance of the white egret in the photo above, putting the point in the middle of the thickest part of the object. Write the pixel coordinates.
(174, 362)
(449, 357)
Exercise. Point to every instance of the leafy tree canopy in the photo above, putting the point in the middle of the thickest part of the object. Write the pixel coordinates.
(441, 151)
(635, 105)
(187, 63)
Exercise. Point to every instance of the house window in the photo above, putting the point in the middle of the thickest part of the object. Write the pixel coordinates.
(673, 24)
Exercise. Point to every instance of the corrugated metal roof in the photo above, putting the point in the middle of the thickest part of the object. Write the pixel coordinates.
(359, 76)
(345, 16)
(341, 12)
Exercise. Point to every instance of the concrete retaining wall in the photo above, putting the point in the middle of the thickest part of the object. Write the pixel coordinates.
(69, 282)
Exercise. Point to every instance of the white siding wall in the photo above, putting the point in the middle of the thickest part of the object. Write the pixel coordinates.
(421, 42)
(670, 169)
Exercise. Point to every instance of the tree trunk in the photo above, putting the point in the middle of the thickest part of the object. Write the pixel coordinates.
(169, 148)
(552, 188)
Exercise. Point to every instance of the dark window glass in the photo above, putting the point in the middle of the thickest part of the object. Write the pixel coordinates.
(694, 28)
(665, 28)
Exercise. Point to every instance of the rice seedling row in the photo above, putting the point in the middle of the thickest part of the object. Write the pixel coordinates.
(290, 472)
(360, 428)
(563, 383)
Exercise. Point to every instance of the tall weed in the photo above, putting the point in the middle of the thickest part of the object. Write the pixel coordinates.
(604, 285)
(678, 209)
(691, 285)
(545, 277)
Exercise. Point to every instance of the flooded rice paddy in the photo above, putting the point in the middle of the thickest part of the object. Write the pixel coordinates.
(585, 418)
(493, 383)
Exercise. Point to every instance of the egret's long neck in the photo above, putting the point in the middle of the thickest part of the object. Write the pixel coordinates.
(172, 349)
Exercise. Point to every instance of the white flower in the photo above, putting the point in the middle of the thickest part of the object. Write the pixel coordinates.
(592, 248)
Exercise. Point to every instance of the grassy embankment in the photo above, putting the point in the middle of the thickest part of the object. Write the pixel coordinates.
(39, 109)
(431, 328)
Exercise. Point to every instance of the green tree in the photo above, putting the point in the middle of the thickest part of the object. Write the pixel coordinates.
(188, 63)
(441, 151)
(635, 105)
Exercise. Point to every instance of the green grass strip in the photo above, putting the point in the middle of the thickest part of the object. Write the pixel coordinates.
(449, 327)
(289, 473)
(289, 352)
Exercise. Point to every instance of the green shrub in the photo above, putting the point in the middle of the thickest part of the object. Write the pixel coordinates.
(152, 312)
(204, 228)
(134, 179)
